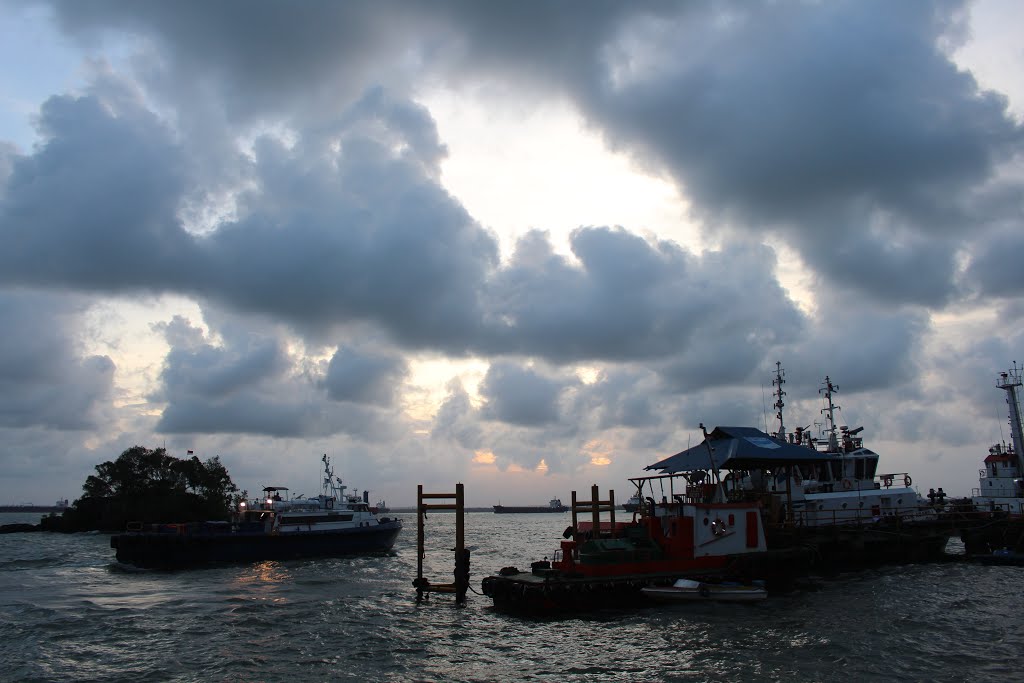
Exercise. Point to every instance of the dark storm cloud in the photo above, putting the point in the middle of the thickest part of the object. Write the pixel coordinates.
(521, 396)
(854, 138)
(361, 231)
(868, 348)
(216, 372)
(621, 397)
(264, 56)
(365, 233)
(249, 384)
(365, 377)
(8, 153)
(456, 420)
(94, 206)
(628, 298)
(820, 122)
(997, 267)
(44, 380)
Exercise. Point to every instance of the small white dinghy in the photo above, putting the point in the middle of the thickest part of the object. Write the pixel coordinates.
(687, 590)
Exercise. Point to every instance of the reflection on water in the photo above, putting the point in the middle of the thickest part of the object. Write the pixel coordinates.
(72, 613)
(263, 581)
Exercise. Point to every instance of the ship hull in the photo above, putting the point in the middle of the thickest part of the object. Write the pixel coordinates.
(548, 591)
(159, 549)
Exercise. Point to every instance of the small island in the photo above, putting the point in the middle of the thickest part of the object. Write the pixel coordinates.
(149, 486)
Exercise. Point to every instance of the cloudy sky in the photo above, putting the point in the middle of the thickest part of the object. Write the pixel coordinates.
(527, 246)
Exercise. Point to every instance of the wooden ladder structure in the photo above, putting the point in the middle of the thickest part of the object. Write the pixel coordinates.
(461, 583)
(595, 506)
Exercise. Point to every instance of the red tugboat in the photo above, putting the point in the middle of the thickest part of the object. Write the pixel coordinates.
(698, 532)
(786, 506)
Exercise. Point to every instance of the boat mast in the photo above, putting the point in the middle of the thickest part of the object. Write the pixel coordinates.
(1009, 381)
(337, 490)
(829, 389)
(719, 491)
(779, 393)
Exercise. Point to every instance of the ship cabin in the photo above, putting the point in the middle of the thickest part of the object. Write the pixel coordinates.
(1000, 484)
(795, 481)
(755, 463)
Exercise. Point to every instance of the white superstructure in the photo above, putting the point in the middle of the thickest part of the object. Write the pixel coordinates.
(1000, 483)
(847, 487)
(332, 510)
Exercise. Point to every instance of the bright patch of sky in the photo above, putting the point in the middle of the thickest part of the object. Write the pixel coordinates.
(545, 171)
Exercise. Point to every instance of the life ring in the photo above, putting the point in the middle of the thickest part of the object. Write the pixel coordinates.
(887, 480)
(907, 481)
(329, 504)
(847, 484)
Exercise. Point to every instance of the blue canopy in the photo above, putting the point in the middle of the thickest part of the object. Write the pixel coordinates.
(732, 448)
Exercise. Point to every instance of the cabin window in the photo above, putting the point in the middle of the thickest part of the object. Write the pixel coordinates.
(298, 519)
(870, 467)
(837, 470)
(858, 468)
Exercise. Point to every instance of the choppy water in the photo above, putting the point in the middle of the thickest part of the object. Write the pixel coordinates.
(71, 613)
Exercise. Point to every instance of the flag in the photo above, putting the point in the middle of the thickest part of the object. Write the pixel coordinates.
(190, 452)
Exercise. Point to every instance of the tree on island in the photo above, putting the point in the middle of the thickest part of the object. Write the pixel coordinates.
(150, 486)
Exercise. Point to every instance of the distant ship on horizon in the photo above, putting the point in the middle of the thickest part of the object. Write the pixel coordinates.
(59, 506)
(554, 505)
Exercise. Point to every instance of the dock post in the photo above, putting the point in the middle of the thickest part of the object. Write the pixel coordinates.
(574, 520)
(420, 514)
(461, 583)
(461, 553)
(595, 506)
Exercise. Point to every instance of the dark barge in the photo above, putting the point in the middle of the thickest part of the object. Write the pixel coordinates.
(172, 546)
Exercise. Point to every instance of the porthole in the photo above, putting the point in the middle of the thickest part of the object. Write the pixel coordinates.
(844, 506)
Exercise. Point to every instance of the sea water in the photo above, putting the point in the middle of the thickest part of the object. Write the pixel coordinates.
(71, 613)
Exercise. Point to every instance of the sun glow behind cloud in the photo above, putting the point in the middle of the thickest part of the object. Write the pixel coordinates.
(546, 171)
(484, 458)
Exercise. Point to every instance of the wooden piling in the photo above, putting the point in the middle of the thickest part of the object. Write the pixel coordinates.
(595, 506)
(461, 582)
